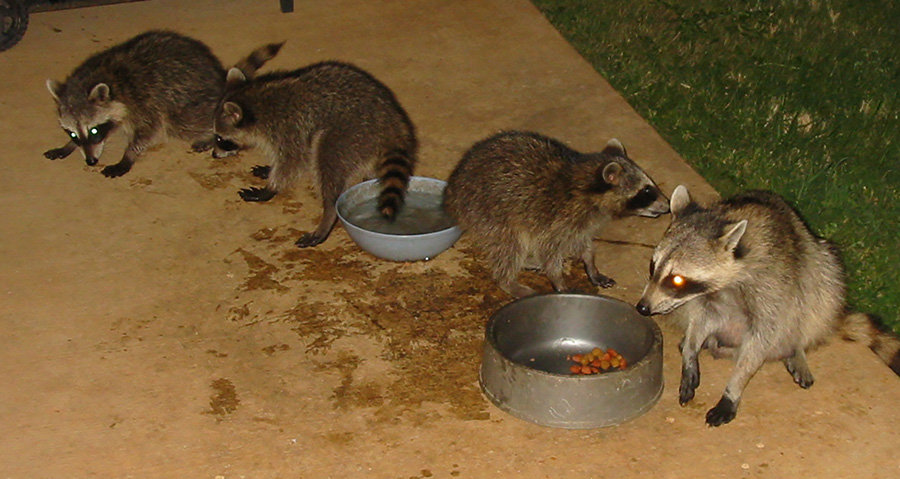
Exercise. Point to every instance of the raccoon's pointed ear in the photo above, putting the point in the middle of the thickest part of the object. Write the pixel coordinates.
(732, 237)
(612, 173)
(54, 87)
(233, 113)
(681, 199)
(614, 148)
(235, 78)
(100, 93)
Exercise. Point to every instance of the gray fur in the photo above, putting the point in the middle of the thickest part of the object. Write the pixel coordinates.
(156, 85)
(757, 286)
(528, 201)
(330, 120)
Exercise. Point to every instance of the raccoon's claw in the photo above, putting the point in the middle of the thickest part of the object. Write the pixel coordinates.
(309, 240)
(257, 194)
(685, 394)
(56, 154)
(261, 171)
(114, 171)
(722, 413)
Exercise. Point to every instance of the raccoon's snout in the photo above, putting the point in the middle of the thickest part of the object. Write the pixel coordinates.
(643, 308)
(90, 160)
(657, 210)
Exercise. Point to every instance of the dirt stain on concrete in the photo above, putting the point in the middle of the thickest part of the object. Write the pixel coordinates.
(261, 273)
(224, 400)
(428, 322)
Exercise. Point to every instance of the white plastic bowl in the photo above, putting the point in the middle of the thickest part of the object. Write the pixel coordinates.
(396, 247)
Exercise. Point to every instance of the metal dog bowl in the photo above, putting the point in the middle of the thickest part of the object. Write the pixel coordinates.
(525, 372)
(421, 230)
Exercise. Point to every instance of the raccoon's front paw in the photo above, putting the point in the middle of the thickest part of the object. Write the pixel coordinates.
(309, 240)
(722, 413)
(114, 171)
(261, 171)
(689, 382)
(603, 281)
(257, 194)
(200, 146)
(57, 153)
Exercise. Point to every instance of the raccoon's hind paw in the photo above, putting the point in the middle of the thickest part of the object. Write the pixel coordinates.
(57, 153)
(117, 170)
(800, 372)
(261, 171)
(309, 240)
(257, 194)
(722, 413)
(517, 290)
(602, 281)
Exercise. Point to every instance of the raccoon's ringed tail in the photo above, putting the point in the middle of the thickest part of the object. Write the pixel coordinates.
(258, 58)
(867, 329)
(393, 173)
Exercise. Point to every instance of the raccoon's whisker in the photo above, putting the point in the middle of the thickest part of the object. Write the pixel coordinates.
(626, 243)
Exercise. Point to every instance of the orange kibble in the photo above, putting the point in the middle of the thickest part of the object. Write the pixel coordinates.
(612, 352)
(585, 370)
(577, 357)
(614, 362)
(595, 363)
(597, 352)
(575, 369)
(594, 370)
(604, 364)
(623, 364)
(606, 357)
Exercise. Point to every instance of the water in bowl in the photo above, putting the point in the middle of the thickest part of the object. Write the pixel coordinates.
(421, 213)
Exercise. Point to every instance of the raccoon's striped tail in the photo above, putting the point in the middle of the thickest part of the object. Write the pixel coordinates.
(257, 59)
(869, 330)
(393, 173)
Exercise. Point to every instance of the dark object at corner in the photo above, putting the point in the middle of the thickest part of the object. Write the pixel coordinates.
(13, 22)
(14, 14)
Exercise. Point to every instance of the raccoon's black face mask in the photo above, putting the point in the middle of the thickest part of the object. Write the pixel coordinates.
(226, 145)
(95, 136)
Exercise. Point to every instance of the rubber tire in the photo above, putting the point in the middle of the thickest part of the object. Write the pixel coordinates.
(13, 22)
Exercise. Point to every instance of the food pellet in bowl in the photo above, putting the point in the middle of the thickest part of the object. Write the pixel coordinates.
(597, 361)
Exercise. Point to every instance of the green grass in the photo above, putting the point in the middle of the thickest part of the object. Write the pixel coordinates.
(799, 97)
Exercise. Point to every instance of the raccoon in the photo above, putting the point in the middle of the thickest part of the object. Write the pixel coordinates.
(748, 279)
(530, 201)
(157, 84)
(332, 120)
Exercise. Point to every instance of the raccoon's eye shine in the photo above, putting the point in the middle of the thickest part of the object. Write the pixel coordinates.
(682, 287)
(74, 137)
(226, 145)
(98, 133)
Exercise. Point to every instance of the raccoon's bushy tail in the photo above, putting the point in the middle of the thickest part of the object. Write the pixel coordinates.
(258, 58)
(393, 173)
(869, 330)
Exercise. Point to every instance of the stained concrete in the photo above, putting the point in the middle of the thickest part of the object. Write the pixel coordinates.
(155, 325)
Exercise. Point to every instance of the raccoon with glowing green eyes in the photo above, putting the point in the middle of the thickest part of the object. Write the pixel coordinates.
(156, 85)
